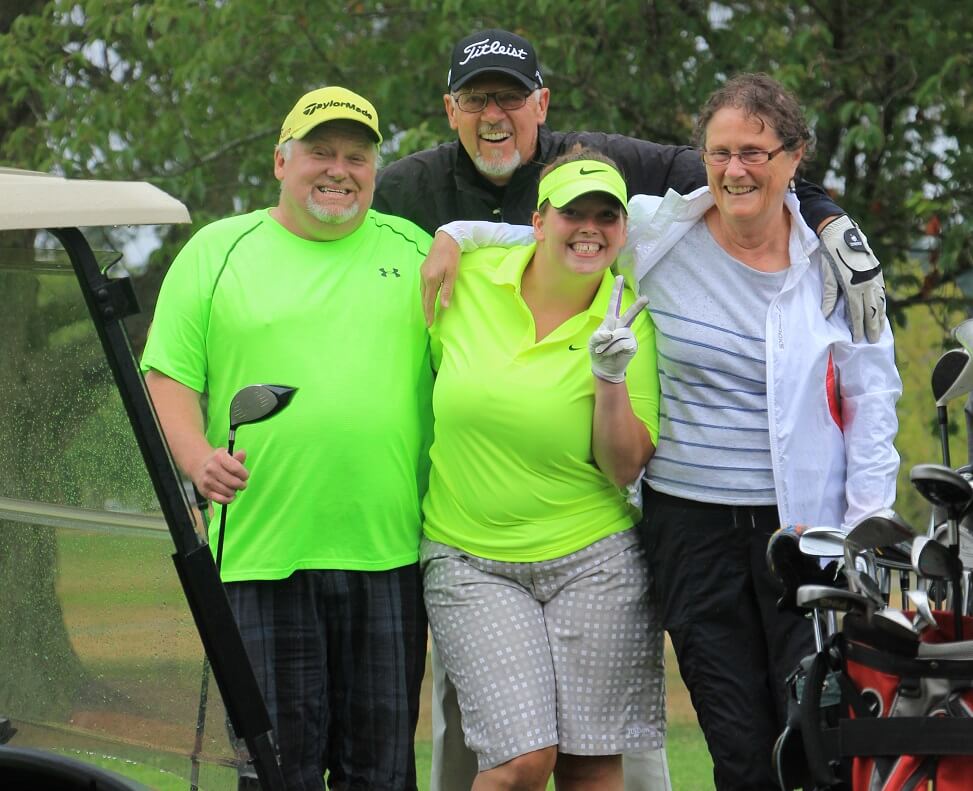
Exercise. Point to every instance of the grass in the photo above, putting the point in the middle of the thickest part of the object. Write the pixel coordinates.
(129, 624)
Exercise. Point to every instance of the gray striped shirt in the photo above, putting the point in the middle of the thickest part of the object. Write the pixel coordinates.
(710, 313)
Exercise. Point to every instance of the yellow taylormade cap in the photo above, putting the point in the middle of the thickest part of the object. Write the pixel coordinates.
(573, 179)
(328, 104)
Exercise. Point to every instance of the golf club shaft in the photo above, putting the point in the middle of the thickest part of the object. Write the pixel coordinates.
(958, 608)
(943, 419)
(818, 637)
(200, 726)
(219, 541)
(202, 505)
(968, 414)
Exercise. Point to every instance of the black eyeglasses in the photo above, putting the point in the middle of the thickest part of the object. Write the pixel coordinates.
(749, 156)
(476, 101)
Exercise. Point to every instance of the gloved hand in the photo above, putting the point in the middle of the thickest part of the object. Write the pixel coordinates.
(851, 267)
(613, 345)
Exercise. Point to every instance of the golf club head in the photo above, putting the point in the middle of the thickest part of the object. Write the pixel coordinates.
(963, 333)
(952, 376)
(924, 618)
(883, 528)
(943, 487)
(933, 560)
(258, 402)
(941, 534)
(791, 567)
(827, 597)
(895, 556)
(864, 584)
(822, 542)
(894, 622)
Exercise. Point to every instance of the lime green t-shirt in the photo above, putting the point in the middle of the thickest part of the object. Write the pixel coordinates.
(336, 478)
(513, 474)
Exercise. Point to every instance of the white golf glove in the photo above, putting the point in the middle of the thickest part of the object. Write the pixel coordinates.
(850, 266)
(613, 345)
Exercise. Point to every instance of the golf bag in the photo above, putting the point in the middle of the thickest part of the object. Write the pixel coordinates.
(906, 710)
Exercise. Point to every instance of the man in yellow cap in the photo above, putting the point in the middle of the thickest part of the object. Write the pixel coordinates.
(321, 544)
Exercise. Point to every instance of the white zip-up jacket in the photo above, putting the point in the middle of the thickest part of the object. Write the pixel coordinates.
(831, 402)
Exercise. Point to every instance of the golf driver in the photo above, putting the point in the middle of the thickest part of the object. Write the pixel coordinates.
(251, 405)
(963, 333)
(952, 377)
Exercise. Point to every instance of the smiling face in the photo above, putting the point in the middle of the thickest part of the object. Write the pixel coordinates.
(747, 194)
(327, 180)
(498, 141)
(584, 236)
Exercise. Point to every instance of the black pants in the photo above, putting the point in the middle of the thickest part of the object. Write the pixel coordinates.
(718, 602)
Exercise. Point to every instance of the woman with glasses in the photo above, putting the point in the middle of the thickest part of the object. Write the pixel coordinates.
(535, 582)
(770, 413)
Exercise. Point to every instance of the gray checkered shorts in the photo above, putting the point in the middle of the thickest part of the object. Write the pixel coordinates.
(565, 652)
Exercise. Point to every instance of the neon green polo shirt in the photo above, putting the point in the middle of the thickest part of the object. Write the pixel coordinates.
(513, 475)
(336, 478)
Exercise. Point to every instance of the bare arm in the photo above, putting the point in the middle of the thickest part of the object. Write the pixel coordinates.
(216, 474)
(440, 268)
(619, 440)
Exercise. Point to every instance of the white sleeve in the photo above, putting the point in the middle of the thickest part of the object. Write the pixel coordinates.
(870, 386)
(472, 235)
(641, 210)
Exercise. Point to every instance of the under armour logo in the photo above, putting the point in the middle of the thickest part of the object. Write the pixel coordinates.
(386, 272)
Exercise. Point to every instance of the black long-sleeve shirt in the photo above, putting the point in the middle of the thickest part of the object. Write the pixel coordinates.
(441, 184)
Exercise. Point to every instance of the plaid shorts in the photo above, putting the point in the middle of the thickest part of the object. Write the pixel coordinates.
(339, 657)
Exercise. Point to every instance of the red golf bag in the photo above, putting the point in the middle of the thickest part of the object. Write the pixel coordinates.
(906, 711)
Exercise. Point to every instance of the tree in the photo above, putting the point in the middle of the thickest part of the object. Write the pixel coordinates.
(190, 95)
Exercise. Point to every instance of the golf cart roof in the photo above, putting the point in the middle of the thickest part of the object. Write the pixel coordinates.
(33, 200)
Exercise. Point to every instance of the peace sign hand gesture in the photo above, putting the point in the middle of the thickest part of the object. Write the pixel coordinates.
(613, 345)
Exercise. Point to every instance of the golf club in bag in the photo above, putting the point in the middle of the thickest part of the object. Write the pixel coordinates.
(250, 405)
(950, 491)
(952, 377)
(906, 704)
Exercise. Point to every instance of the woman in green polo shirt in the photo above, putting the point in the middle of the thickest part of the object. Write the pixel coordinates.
(535, 583)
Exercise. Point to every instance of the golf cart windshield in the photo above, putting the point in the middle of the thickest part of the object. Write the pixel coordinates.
(101, 656)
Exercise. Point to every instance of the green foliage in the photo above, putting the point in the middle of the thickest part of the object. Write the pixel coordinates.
(190, 95)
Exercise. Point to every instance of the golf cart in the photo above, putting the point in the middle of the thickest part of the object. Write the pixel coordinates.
(102, 644)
